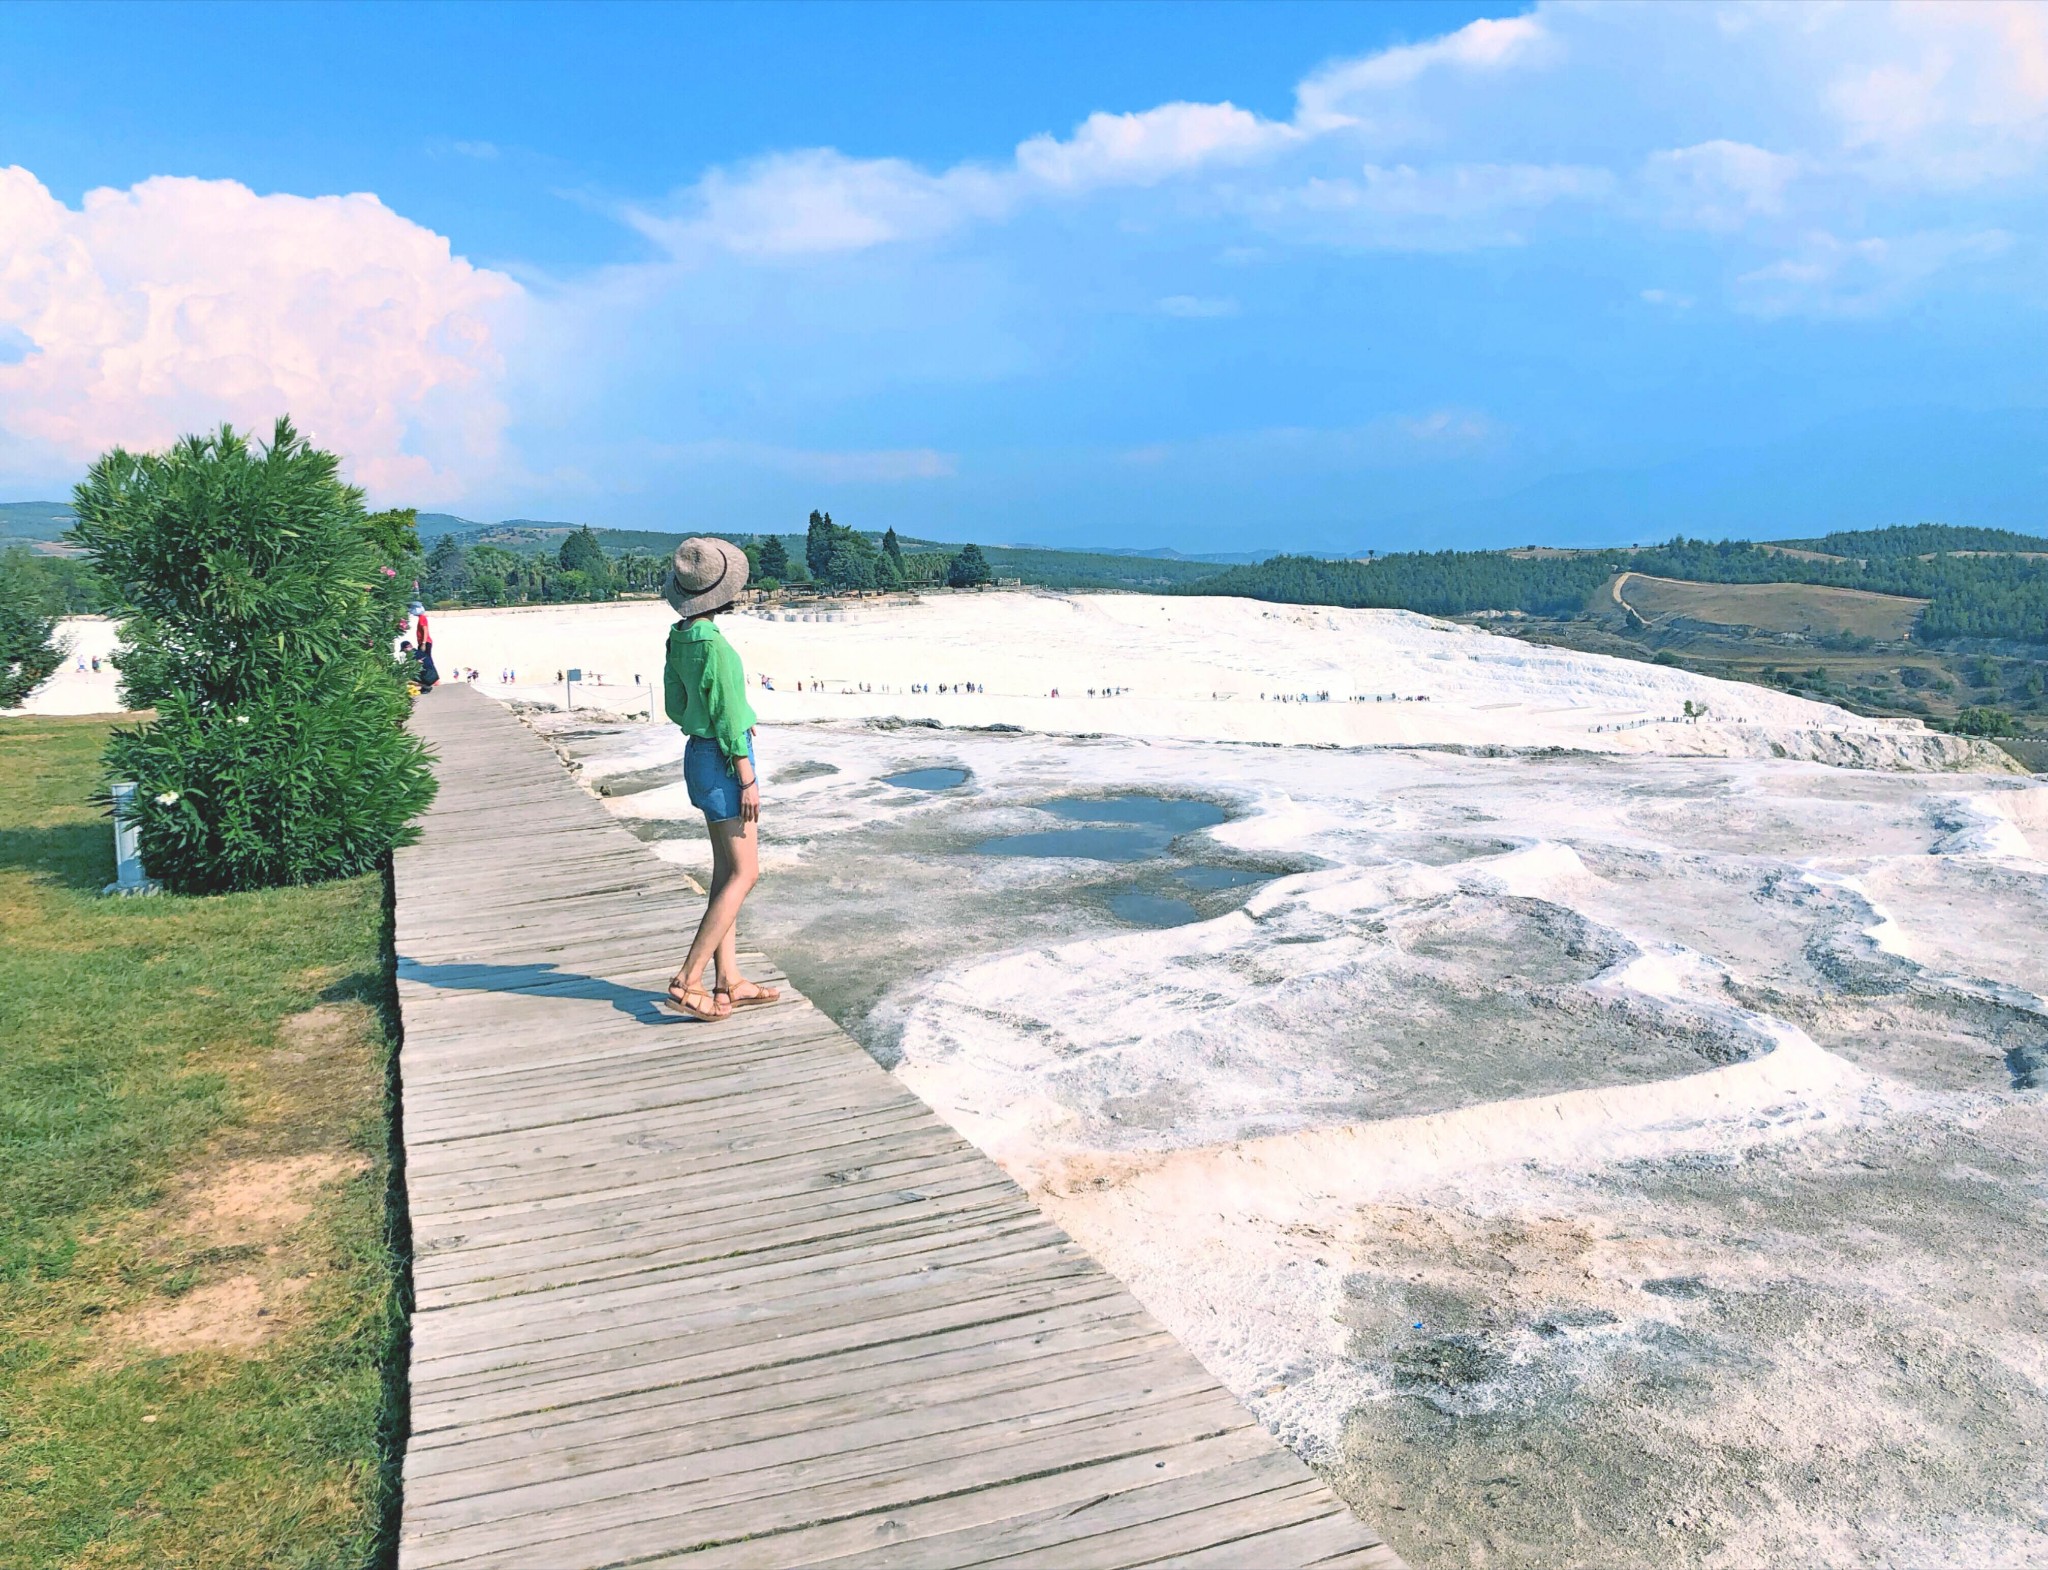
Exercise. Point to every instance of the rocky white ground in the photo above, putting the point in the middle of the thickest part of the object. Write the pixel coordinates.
(1626, 1147)
(1203, 669)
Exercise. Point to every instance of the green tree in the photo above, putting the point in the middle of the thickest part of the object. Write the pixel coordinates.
(774, 558)
(581, 553)
(1982, 722)
(893, 549)
(258, 632)
(851, 564)
(449, 574)
(497, 576)
(969, 569)
(818, 542)
(29, 646)
(395, 532)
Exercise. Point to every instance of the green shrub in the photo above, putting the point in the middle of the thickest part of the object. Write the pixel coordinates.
(29, 647)
(263, 604)
(1982, 722)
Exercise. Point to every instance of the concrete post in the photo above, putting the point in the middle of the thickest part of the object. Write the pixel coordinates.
(129, 877)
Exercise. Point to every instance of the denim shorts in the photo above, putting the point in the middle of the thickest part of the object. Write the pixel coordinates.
(713, 783)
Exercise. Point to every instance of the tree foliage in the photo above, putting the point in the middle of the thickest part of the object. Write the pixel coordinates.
(261, 602)
(1983, 722)
(582, 554)
(845, 559)
(969, 569)
(922, 568)
(818, 540)
(1969, 595)
(1917, 539)
(395, 532)
(775, 559)
(30, 649)
(64, 585)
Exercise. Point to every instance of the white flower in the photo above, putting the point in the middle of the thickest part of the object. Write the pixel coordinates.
(168, 798)
(241, 719)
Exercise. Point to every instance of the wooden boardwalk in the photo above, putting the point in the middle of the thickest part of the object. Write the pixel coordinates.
(725, 1295)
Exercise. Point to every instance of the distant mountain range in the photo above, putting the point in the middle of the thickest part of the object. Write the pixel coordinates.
(34, 520)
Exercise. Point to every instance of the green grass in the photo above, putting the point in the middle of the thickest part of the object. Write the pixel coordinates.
(157, 1051)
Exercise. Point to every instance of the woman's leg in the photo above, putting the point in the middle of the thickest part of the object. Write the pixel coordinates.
(732, 844)
(725, 967)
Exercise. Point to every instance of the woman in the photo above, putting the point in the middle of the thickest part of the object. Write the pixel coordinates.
(705, 692)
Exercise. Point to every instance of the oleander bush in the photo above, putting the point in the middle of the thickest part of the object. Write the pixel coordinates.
(260, 604)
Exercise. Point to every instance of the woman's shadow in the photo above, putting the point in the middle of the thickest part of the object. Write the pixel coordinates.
(537, 981)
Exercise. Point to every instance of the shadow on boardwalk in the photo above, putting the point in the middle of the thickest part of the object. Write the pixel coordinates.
(544, 980)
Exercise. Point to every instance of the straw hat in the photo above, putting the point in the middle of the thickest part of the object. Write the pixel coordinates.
(705, 575)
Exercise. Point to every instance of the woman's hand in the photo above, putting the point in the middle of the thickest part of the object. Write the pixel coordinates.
(750, 787)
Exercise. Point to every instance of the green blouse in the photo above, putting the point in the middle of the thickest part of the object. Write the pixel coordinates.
(704, 688)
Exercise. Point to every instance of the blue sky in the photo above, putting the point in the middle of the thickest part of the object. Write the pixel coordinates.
(1222, 277)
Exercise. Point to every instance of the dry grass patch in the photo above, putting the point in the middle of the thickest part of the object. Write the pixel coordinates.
(1812, 609)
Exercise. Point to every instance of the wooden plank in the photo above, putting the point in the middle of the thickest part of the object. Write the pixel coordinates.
(1067, 1504)
(730, 1291)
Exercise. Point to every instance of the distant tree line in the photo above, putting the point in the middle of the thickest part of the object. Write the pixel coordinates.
(2003, 596)
(580, 571)
(834, 558)
(1917, 539)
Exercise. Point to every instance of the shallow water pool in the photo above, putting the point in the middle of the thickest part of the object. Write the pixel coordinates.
(927, 779)
(1152, 910)
(1114, 828)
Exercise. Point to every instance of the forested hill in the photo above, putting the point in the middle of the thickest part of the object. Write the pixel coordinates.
(2001, 595)
(1918, 539)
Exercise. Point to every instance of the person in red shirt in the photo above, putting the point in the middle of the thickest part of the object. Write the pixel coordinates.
(423, 643)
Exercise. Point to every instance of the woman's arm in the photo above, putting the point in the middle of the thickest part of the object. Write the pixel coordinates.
(750, 788)
(732, 721)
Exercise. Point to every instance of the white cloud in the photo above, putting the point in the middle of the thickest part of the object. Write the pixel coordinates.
(1445, 207)
(819, 201)
(1143, 149)
(178, 304)
(1950, 94)
(1352, 92)
(1794, 120)
(1831, 276)
(1191, 305)
(1720, 184)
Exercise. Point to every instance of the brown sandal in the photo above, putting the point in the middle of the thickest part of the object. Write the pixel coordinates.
(677, 1005)
(761, 997)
